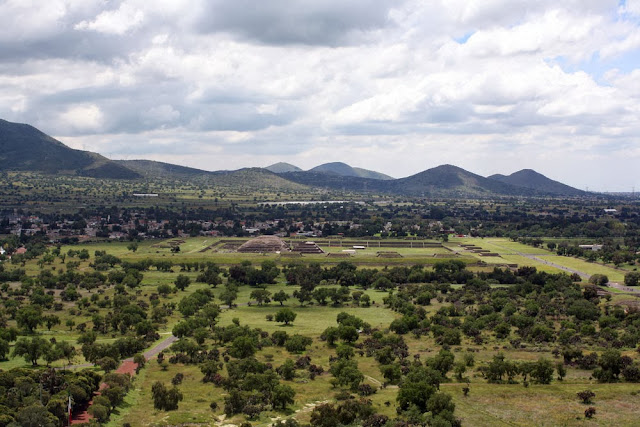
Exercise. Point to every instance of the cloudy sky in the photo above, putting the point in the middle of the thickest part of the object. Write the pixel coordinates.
(399, 86)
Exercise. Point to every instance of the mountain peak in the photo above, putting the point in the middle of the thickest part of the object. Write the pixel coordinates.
(529, 178)
(282, 167)
(343, 169)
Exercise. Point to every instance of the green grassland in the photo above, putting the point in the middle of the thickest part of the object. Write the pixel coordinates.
(487, 404)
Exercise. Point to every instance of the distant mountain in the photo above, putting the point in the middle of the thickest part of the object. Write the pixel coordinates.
(25, 148)
(282, 167)
(250, 179)
(151, 169)
(452, 181)
(343, 169)
(528, 178)
(253, 179)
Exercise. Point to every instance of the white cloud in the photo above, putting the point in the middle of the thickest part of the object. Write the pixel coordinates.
(86, 117)
(117, 21)
(490, 85)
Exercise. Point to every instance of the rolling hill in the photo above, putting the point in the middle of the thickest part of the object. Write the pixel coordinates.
(153, 169)
(25, 148)
(343, 169)
(528, 178)
(452, 181)
(282, 167)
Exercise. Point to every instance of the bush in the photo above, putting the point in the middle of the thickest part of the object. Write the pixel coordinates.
(297, 343)
(586, 396)
(589, 412)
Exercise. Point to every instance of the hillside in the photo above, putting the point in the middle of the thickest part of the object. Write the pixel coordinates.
(452, 181)
(254, 179)
(25, 148)
(343, 169)
(282, 167)
(151, 169)
(528, 178)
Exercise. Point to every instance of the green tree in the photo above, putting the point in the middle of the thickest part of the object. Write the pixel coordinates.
(599, 280)
(182, 282)
(632, 278)
(282, 396)
(261, 296)
(165, 399)
(29, 318)
(281, 297)
(32, 349)
(285, 315)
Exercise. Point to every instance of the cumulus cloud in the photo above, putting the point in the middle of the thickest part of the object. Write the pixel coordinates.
(117, 21)
(397, 86)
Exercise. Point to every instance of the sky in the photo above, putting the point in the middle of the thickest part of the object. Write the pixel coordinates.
(492, 86)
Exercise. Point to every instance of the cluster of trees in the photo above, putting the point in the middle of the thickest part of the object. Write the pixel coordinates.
(40, 396)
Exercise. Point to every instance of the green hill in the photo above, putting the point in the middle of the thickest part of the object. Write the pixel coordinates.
(528, 178)
(343, 169)
(282, 167)
(452, 181)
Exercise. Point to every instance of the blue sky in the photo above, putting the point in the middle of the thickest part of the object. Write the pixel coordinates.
(492, 86)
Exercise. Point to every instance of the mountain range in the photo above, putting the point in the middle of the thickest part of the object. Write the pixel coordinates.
(25, 148)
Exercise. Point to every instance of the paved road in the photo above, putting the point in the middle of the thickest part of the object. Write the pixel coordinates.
(544, 261)
(162, 345)
(570, 270)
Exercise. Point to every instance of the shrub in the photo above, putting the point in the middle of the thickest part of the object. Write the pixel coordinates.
(586, 396)
(589, 412)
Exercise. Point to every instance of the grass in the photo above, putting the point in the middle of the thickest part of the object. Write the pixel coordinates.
(544, 405)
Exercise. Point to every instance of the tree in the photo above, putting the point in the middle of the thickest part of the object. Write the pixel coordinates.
(542, 371)
(417, 388)
(210, 276)
(229, 294)
(36, 415)
(165, 399)
(287, 370)
(242, 347)
(632, 278)
(182, 282)
(51, 321)
(52, 354)
(107, 364)
(261, 296)
(297, 343)
(346, 373)
(164, 289)
(32, 349)
(599, 280)
(281, 297)
(586, 396)
(282, 396)
(29, 317)
(4, 349)
(133, 246)
(285, 315)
